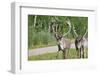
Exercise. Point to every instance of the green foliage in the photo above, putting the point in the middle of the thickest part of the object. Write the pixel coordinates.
(40, 31)
(42, 38)
(80, 23)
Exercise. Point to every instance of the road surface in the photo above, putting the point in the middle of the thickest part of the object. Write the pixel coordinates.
(44, 50)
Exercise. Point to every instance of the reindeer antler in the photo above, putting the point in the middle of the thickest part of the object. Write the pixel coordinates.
(85, 33)
(69, 24)
(74, 31)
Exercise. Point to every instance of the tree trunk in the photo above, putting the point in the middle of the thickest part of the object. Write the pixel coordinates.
(35, 20)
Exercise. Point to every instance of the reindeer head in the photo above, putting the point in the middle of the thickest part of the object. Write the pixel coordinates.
(54, 26)
(58, 34)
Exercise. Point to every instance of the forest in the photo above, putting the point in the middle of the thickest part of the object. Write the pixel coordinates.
(40, 32)
(42, 40)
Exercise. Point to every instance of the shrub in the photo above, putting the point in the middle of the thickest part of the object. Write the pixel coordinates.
(41, 38)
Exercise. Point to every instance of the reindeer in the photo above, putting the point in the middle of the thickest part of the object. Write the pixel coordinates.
(80, 43)
(62, 42)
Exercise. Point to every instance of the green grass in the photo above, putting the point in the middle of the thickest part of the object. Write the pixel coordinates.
(52, 56)
(40, 39)
(41, 46)
(47, 45)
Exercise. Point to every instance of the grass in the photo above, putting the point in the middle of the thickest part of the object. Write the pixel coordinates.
(47, 45)
(40, 39)
(41, 46)
(52, 56)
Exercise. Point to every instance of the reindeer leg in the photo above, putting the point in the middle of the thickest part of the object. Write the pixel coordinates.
(64, 54)
(58, 51)
(86, 53)
(80, 52)
(83, 54)
(57, 54)
(83, 51)
(77, 51)
(67, 53)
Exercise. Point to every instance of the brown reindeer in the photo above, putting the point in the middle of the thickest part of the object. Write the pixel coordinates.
(62, 42)
(80, 43)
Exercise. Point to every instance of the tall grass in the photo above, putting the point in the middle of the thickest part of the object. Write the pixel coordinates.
(40, 39)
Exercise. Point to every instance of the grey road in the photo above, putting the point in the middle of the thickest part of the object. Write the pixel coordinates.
(40, 51)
